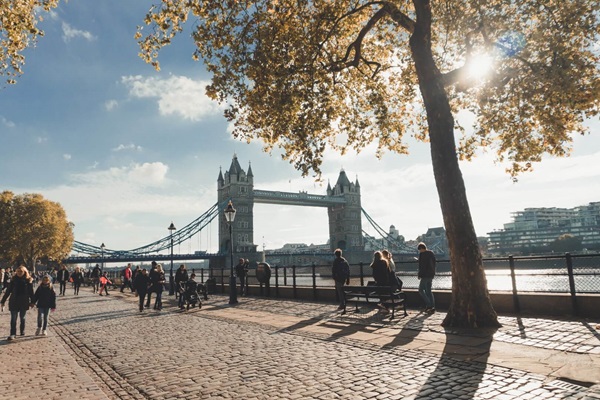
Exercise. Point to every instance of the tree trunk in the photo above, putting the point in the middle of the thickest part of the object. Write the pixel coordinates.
(470, 304)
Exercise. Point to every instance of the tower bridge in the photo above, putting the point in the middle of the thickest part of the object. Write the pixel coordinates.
(342, 200)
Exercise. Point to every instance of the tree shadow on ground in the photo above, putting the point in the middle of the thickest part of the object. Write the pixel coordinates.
(461, 368)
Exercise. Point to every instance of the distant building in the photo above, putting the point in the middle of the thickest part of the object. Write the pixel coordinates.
(534, 229)
(435, 239)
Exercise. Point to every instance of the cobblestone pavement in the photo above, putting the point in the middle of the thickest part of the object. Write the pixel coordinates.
(103, 347)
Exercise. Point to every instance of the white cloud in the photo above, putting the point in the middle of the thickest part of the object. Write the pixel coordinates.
(71, 33)
(177, 95)
(7, 123)
(111, 105)
(67, 156)
(40, 140)
(129, 146)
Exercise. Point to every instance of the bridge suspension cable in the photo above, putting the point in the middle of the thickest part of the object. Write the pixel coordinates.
(179, 236)
(392, 241)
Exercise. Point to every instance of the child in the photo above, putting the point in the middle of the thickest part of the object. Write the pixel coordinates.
(104, 282)
(45, 299)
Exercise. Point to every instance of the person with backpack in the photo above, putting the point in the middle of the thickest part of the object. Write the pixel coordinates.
(104, 282)
(341, 275)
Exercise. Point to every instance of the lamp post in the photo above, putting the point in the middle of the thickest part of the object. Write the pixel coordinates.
(102, 246)
(171, 228)
(230, 217)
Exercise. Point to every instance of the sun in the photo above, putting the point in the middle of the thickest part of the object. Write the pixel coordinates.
(480, 66)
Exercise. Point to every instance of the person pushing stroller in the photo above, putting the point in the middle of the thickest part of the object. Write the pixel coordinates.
(190, 292)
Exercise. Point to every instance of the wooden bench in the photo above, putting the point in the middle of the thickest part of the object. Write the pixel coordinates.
(385, 296)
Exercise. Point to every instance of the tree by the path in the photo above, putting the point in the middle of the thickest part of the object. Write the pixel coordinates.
(303, 75)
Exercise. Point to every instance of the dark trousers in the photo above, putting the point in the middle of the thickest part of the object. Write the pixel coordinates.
(149, 294)
(63, 286)
(141, 298)
(105, 288)
(126, 283)
(13, 321)
(76, 287)
(158, 301)
(243, 285)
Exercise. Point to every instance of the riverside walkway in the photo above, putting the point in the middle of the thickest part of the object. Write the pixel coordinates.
(104, 348)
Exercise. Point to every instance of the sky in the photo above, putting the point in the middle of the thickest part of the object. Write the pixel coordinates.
(126, 149)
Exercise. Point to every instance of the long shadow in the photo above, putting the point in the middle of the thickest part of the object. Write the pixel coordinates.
(410, 330)
(592, 329)
(461, 367)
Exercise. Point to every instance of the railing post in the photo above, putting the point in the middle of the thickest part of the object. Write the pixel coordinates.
(294, 280)
(314, 280)
(362, 275)
(569, 260)
(222, 280)
(284, 276)
(202, 275)
(517, 305)
(276, 281)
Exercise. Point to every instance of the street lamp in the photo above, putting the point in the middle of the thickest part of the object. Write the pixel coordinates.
(229, 217)
(102, 246)
(171, 228)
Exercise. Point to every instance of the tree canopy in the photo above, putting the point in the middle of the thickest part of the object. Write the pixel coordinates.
(33, 228)
(19, 30)
(296, 74)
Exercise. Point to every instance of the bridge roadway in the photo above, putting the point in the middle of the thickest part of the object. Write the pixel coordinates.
(104, 348)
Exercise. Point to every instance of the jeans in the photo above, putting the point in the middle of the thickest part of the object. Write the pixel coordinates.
(425, 292)
(63, 287)
(242, 285)
(13, 321)
(158, 301)
(76, 287)
(43, 318)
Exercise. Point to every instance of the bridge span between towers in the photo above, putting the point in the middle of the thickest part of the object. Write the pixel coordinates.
(342, 200)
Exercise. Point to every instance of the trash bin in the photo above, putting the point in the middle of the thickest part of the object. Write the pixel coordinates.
(211, 285)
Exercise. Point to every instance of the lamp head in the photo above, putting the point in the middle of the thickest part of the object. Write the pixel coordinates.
(229, 212)
(171, 227)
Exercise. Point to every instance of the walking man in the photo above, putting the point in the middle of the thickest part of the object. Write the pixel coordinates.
(426, 274)
(241, 270)
(126, 278)
(62, 277)
(341, 275)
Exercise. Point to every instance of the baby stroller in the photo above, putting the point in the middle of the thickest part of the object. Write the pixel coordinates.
(189, 292)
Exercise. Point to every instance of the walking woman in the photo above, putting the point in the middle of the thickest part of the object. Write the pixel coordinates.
(77, 278)
(141, 284)
(158, 283)
(20, 291)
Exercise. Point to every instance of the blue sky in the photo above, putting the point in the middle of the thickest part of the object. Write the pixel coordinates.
(126, 149)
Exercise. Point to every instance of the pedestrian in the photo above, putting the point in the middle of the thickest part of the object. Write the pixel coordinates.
(62, 277)
(341, 275)
(141, 284)
(126, 275)
(181, 277)
(21, 295)
(381, 270)
(133, 275)
(6, 278)
(158, 286)
(151, 274)
(426, 273)
(77, 279)
(241, 270)
(104, 282)
(388, 256)
(45, 300)
(95, 277)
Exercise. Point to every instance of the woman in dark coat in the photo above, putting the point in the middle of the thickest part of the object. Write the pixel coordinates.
(381, 270)
(20, 291)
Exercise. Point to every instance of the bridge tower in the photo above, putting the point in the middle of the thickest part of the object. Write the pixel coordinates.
(345, 227)
(238, 186)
